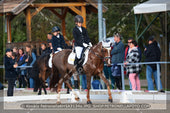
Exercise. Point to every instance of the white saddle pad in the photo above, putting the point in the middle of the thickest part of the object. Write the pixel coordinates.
(72, 56)
(50, 60)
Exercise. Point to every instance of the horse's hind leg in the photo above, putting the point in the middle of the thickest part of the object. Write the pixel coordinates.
(44, 88)
(69, 86)
(108, 87)
(58, 90)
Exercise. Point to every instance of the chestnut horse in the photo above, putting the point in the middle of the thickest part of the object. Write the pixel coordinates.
(94, 66)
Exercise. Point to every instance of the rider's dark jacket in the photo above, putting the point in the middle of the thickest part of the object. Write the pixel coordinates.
(80, 37)
(58, 42)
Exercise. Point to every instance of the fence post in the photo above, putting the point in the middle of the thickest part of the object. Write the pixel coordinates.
(122, 73)
(158, 76)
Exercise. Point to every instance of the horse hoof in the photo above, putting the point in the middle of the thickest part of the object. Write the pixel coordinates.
(89, 102)
(110, 100)
(58, 102)
(77, 99)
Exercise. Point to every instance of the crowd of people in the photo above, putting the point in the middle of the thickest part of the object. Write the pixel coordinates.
(119, 54)
(133, 54)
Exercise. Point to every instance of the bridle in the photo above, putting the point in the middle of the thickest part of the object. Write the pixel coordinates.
(101, 57)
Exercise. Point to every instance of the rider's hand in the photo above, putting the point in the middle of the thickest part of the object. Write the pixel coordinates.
(90, 44)
(85, 45)
(59, 49)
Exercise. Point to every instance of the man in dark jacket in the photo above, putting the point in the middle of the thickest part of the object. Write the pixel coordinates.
(10, 72)
(57, 40)
(117, 57)
(152, 54)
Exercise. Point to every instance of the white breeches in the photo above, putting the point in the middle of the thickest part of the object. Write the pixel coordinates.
(78, 50)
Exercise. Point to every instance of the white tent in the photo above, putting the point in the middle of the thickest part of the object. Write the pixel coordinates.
(152, 6)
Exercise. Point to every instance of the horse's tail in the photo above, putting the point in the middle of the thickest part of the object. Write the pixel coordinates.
(55, 77)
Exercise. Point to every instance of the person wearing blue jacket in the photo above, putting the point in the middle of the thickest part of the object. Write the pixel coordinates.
(31, 58)
(117, 57)
(22, 72)
(10, 72)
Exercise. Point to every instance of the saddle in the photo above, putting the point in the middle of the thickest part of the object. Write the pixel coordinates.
(72, 57)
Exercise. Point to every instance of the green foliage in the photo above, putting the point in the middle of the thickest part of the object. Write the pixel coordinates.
(18, 28)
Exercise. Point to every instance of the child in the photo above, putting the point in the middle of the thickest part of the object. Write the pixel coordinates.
(81, 41)
(57, 40)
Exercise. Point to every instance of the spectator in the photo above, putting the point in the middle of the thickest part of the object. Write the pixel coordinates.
(44, 49)
(31, 58)
(50, 47)
(117, 57)
(133, 70)
(127, 49)
(84, 82)
(108, 74)
(14, 58)
(152, 54)
(22, 72)
(15, 52)
(96, 83)
(49, 37)
(10, 72)
(1, 86)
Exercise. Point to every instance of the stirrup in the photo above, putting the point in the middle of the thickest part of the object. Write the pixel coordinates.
(79, 69)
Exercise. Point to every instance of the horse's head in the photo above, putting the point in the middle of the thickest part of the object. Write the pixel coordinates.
(106, 49)
(102, 50)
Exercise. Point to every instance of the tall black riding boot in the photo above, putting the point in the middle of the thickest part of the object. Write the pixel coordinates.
(78, 64)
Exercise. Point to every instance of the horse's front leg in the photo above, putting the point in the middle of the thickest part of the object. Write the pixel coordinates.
(40, 87)
(88, 89)
(108, 86)
(44, 87)
(39, 93)
(76, 96)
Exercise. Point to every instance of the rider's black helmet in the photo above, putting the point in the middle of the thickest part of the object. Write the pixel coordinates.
(78, 18)
(55, 29)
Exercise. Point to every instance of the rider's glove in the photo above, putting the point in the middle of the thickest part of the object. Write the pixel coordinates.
(90, 44)
(59, 49)
(85, 45)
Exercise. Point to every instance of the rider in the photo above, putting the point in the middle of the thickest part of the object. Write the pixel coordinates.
(81, 41)
(57, 40)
